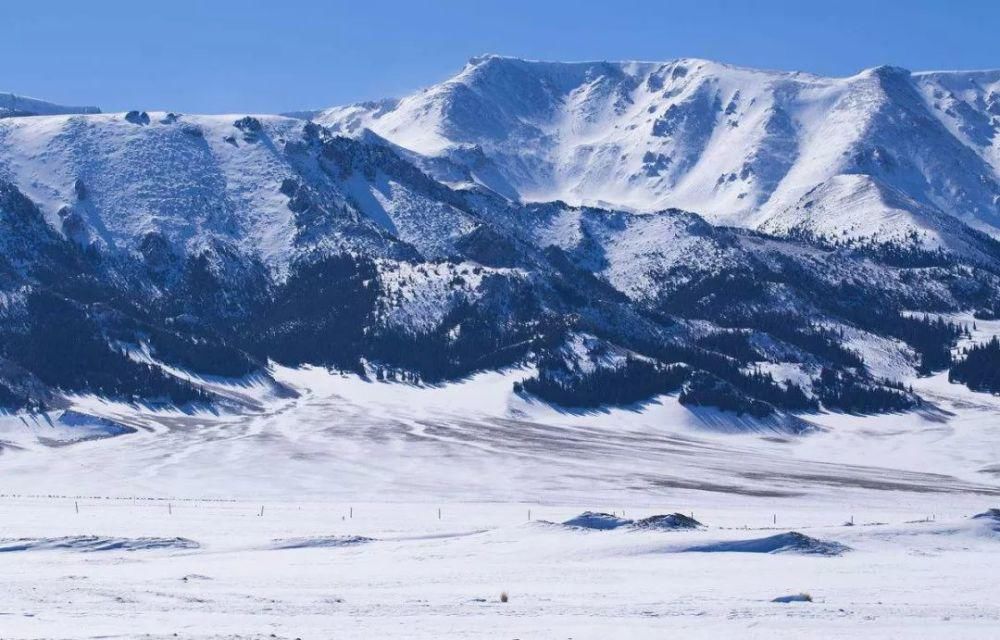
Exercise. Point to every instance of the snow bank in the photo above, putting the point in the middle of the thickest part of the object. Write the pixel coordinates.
(796, 597)
(791, 542)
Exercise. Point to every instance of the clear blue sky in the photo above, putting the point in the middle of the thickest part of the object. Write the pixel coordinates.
(251, 56)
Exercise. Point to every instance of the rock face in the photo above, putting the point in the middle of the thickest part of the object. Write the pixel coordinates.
(137, 117)
(213, 245)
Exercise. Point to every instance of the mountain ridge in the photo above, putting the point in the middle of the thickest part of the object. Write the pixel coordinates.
(735, 144)
(12, 105)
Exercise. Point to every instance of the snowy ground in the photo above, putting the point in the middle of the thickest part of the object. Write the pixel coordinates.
(318, 517)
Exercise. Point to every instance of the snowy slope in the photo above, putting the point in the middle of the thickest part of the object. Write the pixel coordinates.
(738, 146)
(12, 105)
(124, 182)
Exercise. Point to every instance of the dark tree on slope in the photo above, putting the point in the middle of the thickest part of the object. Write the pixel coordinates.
(794, 330)
(705, 389)
(633, 381)
(841, 390)
(469, 339)
(980, 370)
(11, 400)
(320, 314)
(66, 349)
(932, 339)
(762, 386)
(754, 385)
(207, 356)
(732, 343)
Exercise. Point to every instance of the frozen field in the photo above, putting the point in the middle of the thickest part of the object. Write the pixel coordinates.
(318, 517)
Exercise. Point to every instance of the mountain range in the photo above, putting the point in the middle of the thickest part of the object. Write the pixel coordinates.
(766, 243)
(880, 154)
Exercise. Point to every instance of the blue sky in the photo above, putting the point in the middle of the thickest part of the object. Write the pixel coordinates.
(251, 56)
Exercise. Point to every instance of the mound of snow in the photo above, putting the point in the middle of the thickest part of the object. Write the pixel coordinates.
(320, 542)
(796, 597)
(599, 521)
(668, 522)
(94, 543)
(991, 518)
(791, 542)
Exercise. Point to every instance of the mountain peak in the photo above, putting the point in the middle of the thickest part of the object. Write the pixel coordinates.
(486, 58)
(886, 71)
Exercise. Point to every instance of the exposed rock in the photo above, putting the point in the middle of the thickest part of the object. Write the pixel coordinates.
(249, 124)
(596, 520)
(669, 522)
(137, 117)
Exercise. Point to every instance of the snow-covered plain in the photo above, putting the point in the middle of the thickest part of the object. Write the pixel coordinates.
(365, 510)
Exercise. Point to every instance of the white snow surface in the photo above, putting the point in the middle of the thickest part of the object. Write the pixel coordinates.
(181, 179)
(736, 145)
(370, 509)
(199, 181)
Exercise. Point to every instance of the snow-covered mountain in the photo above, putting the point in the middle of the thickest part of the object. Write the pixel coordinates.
(12, 105)
(877, 154)
(145, 253)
